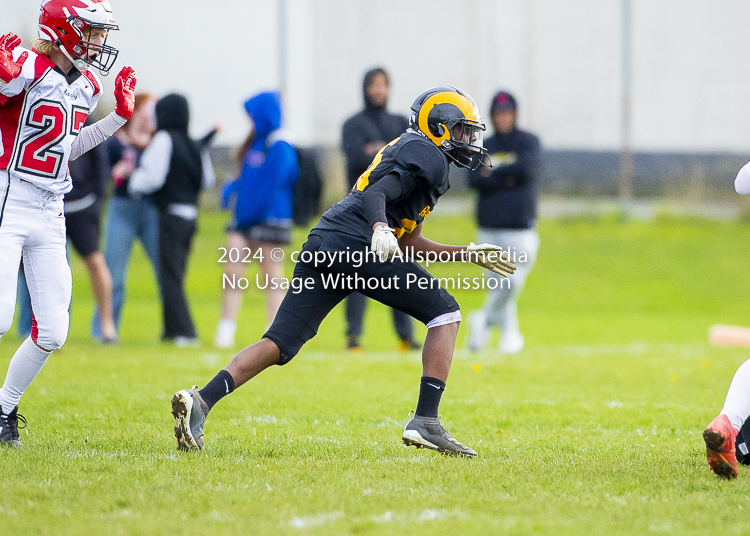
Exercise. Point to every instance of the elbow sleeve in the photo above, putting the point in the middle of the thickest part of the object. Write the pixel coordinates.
(375, 197)
(373, 201)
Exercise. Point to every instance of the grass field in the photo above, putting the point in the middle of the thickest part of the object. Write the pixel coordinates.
(595, 428)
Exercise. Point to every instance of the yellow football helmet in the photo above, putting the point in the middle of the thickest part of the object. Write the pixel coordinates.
(450, 118)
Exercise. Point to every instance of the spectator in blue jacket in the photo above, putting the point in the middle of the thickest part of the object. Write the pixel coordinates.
(261, 201)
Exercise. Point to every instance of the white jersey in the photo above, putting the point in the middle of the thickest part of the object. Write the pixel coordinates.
(42, 111)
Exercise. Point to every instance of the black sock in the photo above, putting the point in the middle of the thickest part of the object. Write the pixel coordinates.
(430, 391)
(218, 388)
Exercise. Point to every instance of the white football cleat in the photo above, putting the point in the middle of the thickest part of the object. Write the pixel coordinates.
(511, 342)
(225, 332)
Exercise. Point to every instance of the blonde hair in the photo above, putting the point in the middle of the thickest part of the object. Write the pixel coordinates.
(43, 47)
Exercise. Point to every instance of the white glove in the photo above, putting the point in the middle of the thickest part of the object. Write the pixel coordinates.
(384, 242)
(489, 256)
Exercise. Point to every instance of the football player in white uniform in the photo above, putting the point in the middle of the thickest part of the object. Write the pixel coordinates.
(726, 436)
(46, 94)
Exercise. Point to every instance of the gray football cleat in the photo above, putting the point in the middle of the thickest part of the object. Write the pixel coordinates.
(9, 428)
(427, 432)
(190, 412)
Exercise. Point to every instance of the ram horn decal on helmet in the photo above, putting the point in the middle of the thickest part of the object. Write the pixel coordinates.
(450, 118)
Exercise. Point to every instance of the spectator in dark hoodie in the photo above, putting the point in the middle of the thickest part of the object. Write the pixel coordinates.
(363, 135)
(174, 168)
(506, 213)
(261, 200)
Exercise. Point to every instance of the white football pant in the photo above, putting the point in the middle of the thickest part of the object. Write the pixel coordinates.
(32, 227)
(32, 224)
(737, 404)
(500, 306)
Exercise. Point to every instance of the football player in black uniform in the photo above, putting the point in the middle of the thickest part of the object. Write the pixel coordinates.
(383, 212)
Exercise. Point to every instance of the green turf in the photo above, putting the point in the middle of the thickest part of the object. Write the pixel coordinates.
(593, 429)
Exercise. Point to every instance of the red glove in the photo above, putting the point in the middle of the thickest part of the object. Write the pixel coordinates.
(125, 92)
(10, 69)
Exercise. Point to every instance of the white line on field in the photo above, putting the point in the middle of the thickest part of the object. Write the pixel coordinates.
(683, 350)
(428, 514)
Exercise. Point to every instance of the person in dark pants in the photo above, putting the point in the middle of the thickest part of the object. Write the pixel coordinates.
(363, 135)
(506, 213)
(175, 169)
(383, 214)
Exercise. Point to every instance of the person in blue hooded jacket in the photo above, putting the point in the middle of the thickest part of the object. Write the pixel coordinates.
(261, 201)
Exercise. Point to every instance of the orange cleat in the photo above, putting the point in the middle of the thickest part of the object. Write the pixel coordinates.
(720, 437)
(408, 345)
(352, 344)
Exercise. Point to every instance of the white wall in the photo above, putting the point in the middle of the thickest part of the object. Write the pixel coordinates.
(690, 77)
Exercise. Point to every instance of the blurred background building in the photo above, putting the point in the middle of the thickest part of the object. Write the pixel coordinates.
(667, 79)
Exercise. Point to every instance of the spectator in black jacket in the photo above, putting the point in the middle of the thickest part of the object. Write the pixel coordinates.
(174, 168)
(506, 213)
(363, 136)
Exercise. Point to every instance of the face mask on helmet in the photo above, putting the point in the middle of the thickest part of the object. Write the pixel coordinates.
(98, 55)
(467, 144)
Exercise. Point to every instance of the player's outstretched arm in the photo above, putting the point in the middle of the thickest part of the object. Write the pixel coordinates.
(93, 135)
(9, 69)
(486, 255)
(418, 243)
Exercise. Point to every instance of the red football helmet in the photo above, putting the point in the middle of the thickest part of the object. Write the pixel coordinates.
(65, 22)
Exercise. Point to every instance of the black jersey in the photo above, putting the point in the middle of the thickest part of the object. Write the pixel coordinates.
(416, 160)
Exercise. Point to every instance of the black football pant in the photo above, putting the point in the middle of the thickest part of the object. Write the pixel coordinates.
(742, 443)
(175, 238)
(302, 312)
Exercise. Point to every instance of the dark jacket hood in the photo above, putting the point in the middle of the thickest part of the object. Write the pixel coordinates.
(369, 75)
(265, 111)
(172, 113)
